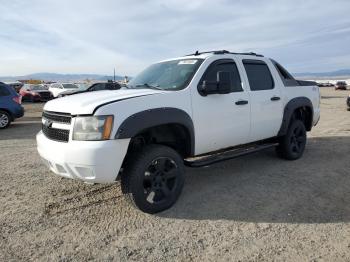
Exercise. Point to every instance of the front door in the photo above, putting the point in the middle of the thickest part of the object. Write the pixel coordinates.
(221, 120)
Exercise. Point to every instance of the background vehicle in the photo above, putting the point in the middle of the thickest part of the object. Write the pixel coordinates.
(195, 110)
(15, 85)
(94, 87)
(58, 88)
(10, 105)
(35, 93)
(340, 85)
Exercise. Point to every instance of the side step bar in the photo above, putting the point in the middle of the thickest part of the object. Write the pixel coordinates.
(206, 160)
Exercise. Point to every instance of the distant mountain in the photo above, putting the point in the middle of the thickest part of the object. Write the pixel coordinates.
(339, 74)
(60, 77)
(344, 73)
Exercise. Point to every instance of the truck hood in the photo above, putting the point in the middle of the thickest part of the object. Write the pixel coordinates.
(86, 103)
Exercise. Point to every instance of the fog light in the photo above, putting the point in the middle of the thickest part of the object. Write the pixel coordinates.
(85, 172)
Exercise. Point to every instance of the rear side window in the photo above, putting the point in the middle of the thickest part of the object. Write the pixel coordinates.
(224, 66)
(259, 75)
(287, 78)
(4, 91)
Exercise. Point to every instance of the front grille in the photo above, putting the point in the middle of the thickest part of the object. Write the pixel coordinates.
(57, 117)
(61, 135)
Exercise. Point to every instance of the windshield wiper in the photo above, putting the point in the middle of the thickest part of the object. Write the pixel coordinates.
(150, 86)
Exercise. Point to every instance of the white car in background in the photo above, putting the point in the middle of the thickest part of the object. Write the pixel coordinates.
(58, 88)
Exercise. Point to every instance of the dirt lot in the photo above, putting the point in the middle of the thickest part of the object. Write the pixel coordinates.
(254, 208)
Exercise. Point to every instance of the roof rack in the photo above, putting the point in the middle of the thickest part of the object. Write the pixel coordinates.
(221, 52)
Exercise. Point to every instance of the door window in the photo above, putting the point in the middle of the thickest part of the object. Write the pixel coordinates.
(259, 75)
(211, 75)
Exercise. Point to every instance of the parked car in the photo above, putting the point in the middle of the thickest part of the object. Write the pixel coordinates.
(10, 105)
(94, 87)
(58, 88)
(195, 110)
(35, 93)
(348, 102)
(340, 85)
(15, 85)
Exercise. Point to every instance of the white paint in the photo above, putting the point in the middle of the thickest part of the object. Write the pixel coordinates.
(218, 121)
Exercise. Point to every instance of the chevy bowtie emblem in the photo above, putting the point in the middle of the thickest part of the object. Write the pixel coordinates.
(48, 123)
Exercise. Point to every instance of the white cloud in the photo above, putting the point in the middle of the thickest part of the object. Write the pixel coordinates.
(88, 36)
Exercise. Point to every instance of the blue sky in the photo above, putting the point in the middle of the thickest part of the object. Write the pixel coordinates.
(93, 36)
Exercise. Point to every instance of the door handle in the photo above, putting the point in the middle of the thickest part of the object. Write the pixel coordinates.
(275, 98)
(241, 102)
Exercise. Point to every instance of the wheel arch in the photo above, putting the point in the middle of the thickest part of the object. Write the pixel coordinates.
(163, 124)
(9, 112)
(300, 107)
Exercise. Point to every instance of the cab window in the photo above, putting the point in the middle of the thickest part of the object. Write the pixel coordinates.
(259, 75)
(224, 65)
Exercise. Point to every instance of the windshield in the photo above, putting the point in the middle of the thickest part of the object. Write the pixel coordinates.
(170, 75)
(70, 86)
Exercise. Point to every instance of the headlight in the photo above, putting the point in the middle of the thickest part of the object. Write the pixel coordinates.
(92, 128)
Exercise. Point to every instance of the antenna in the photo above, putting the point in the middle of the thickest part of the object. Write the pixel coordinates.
(113, 74)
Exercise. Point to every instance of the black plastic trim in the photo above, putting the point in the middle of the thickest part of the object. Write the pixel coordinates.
(229, 153)
(306, 83)
(143, 120)
(290, 81)
(222, 52)
(289, 110)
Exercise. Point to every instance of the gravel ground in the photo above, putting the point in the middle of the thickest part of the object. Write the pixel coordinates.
(253, 208)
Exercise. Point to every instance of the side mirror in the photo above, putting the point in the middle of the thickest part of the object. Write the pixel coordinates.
(208, 88)
(222, 85)
(224, 82)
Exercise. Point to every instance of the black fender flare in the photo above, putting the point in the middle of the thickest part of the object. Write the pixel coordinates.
(143, 120)
(289, 109)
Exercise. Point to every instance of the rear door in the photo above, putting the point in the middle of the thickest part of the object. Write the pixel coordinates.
(221, 120)
(265, 97)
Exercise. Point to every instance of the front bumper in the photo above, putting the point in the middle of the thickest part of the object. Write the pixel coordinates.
(90, 161)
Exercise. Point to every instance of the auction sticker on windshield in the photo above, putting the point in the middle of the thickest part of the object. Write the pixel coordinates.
(187, 62)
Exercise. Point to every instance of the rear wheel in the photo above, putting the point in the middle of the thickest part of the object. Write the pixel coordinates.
(292, 145)
(153, 178)
(5, 119)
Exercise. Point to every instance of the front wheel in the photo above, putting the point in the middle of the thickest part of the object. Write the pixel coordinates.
(5, 119)
(153, 178)
(292, 145)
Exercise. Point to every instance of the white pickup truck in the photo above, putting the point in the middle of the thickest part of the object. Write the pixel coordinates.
(192, 111)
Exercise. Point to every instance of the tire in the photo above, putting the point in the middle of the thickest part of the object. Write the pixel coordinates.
(5, 119)
(292, 145)
(153, 178)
